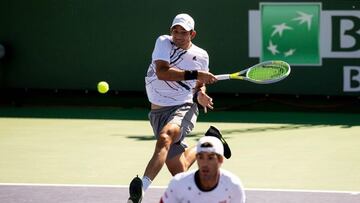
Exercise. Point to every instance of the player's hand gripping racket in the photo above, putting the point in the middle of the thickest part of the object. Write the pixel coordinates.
(262, 73)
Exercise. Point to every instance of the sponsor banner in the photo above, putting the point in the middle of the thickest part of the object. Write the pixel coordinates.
(303, 34)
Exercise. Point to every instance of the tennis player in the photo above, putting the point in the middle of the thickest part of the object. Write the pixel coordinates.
(177, 74)
(209, 183)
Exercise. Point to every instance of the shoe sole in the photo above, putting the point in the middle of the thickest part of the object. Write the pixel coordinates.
(135, 190)
(212, 131)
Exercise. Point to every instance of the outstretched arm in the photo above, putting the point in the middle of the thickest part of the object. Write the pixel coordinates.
(165, 72)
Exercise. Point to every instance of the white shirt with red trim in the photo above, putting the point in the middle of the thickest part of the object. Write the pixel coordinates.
(183, 189)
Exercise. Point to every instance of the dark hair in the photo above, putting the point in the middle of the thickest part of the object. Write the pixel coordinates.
(206, 144)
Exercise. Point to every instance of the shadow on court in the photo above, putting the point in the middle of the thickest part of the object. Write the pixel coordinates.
(276, 117)
(243, 130)
(115, 194)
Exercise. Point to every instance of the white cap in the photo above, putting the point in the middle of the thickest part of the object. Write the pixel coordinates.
(185, 21)
(210, 144)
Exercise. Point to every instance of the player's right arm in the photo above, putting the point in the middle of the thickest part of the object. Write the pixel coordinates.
(165, 72)
(161, 59)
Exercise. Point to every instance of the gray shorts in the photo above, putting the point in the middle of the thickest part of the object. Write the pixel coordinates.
(183, 115)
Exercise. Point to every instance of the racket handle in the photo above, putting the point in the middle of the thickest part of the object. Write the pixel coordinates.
(223, 77)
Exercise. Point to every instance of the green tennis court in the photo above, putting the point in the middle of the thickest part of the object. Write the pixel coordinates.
(307, 151)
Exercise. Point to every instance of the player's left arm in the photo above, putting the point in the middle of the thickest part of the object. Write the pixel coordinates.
(202, 98)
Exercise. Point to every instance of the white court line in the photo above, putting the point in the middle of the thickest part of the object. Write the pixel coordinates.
(163, 187)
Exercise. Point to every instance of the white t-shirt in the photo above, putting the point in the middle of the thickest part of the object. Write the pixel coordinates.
(183, 189)
(171, 93)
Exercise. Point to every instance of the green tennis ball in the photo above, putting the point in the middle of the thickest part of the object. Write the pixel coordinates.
(103, 87)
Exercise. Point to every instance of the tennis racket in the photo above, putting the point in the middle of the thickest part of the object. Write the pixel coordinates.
(263, 73)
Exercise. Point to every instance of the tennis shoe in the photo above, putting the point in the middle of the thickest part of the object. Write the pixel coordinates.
(136, 190)
(212, 131)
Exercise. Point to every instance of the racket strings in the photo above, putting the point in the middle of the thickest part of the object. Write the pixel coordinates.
(268, 72)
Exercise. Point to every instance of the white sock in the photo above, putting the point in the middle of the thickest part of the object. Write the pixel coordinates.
(146, 182)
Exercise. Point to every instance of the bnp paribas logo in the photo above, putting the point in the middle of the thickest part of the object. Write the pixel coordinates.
(301, 33)
(291, 32)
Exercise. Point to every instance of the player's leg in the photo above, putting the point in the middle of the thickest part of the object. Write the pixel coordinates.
(181, 157)
(170, 125)
(181, 162)
(190, 155)
(167, 136)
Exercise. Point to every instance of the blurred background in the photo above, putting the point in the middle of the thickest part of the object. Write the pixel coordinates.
(55, 51)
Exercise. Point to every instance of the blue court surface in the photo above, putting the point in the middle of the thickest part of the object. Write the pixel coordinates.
(40, 193)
